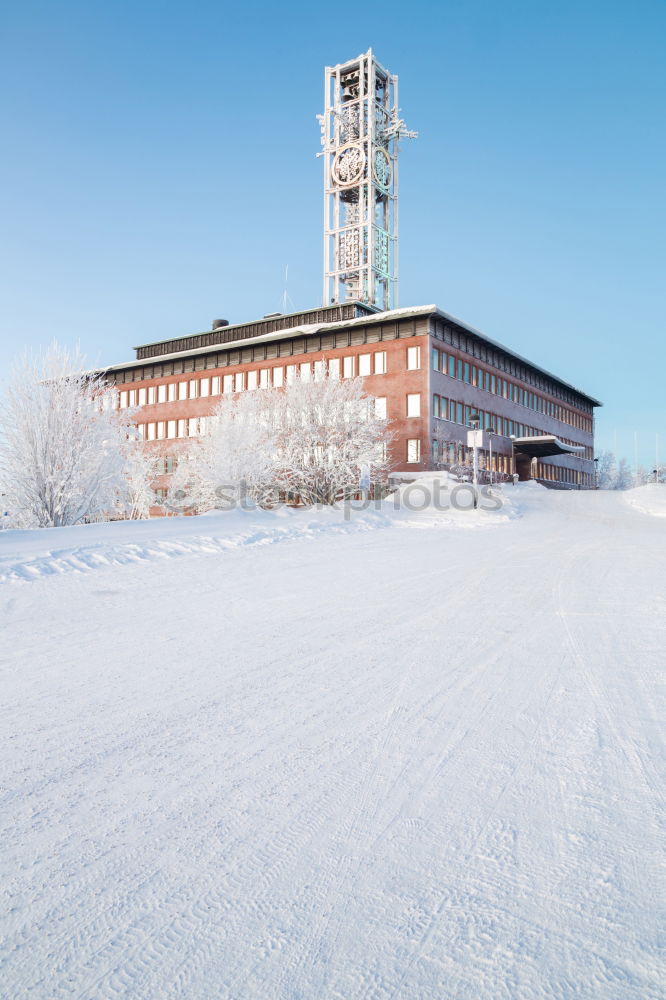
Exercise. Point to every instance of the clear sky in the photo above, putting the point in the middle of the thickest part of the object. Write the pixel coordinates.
(158, 171)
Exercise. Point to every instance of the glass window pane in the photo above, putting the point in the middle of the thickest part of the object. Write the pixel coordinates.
(414, 404)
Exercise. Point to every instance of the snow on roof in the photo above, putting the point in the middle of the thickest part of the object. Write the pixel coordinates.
(308, 329)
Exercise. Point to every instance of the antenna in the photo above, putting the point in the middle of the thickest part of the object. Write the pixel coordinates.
(286, 300)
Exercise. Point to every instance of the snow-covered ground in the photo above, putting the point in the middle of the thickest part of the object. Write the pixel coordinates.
(385, 758)
(650, 499)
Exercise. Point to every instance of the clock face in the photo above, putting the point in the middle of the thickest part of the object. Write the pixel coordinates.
(348, 166)
(381, 167)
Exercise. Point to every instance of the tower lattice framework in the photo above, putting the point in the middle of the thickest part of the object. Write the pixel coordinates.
(360, 129)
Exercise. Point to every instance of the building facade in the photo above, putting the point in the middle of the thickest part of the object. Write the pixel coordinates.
(431, 375)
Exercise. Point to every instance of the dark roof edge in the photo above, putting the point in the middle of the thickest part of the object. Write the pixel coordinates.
(253, 322)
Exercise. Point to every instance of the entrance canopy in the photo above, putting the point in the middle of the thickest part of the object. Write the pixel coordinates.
(547, 444)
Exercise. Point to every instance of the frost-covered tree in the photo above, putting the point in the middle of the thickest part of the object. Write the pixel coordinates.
(317, 441)
(62, 443)
(236, 448)
(606, 471)
(625, 477)
(330, 438)
(141, 468)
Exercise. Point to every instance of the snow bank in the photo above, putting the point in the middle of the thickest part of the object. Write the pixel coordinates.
(431, 502)
(650, 499)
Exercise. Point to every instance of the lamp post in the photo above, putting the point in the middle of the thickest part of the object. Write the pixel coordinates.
(596, 473)
(474, 424)
(491, 431)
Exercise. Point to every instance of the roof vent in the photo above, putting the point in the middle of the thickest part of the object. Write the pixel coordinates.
(219, 323)
(271, 315)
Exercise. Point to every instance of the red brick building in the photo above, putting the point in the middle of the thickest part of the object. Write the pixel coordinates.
(430, 373)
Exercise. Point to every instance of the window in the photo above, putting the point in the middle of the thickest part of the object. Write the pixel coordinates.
(152, 394)
(290, 373)
(413, 450)
(252, 378)
(194, 388)
(142, 431)
(348, 367)
(436, 404)
(413, 358)
(435, 450)
(452, 366)
(171, 391)
(413, 404)
(435, 359)
(204, 387)
(215, 385)
(182, 428)
(263, 378)
(305, 371)
(239, 381)
(334, 367)
(161, 430)
(459, 369)
(182, 390)
(380, 406)
(459, 413)
(123, 399)
(132, 397)
(228, 383)
(143, 397)
(192, 426)
(151, 431)
(320, 370)
(380, 362)
(171, 428)
(364, 364)
(466, 371)
(278, 377)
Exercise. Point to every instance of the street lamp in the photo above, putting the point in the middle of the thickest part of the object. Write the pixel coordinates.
(596, 473)
(474, 424)
(491, 431)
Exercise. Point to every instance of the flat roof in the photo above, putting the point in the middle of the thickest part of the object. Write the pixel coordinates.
(307, 329)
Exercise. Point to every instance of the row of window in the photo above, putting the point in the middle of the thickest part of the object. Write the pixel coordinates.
(184, 427)
(264, 378)
(464, 371)
(460, 413)
(159, 430)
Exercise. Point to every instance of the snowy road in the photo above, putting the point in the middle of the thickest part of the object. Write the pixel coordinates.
(396, 764)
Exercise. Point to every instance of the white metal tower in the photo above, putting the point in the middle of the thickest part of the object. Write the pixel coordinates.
(360, 129)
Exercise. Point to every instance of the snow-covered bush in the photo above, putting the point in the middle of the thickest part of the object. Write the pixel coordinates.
(63, 446)
(317, 441)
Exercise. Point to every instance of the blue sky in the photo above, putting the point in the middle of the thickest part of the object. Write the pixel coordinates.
(158, 171)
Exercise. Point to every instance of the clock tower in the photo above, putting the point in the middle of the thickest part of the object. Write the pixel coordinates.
(360, 129)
